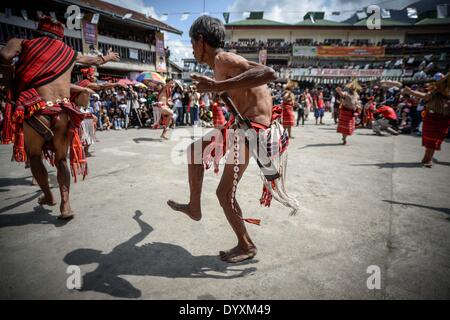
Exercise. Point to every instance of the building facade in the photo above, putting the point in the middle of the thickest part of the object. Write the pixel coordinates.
(131, 34)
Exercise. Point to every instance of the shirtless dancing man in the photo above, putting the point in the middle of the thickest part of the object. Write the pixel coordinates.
(42, 89)
(245, 82)
(164, 103)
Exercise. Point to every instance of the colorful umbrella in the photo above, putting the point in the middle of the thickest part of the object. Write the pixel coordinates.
(151, 77)
(140, 85)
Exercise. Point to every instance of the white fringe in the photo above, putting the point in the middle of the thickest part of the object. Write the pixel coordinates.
(279, 193)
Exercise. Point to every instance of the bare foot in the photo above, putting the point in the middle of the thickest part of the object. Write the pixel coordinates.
(43, 200)
(428, 164)
(66, 212)
(237, 254)
(185, 208)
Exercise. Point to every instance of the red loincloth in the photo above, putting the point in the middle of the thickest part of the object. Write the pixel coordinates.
(30, 103)
(288, 115)
(434, 130)
(347, 122)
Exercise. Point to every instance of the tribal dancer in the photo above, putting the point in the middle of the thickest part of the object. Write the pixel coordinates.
(217, 111)
(369, 108)
(245, 81)
(350, 104)
(436, 121)
(82, 99)
(288, 107)
(44, 119)
(164, 103)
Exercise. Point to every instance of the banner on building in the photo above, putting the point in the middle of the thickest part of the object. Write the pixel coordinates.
(263, 56)
(161, 65)
(304, 51)
(315, 72)
(350, 51)
(89, 37)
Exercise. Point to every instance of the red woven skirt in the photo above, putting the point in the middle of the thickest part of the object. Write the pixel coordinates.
(346, 122)
(434, 130)
(288, 115)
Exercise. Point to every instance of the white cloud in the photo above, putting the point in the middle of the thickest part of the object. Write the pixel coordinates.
(291, 11)
(178, 49)
(184, 16)
(136, 5)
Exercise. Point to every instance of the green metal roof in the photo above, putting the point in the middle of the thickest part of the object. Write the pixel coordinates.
(433, 21)
(256, 22)
(384, 23)
(322, 23)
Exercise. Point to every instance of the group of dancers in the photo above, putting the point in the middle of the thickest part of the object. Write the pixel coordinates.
(436, 116)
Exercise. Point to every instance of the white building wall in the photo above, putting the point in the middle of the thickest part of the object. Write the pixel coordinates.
(318, 35)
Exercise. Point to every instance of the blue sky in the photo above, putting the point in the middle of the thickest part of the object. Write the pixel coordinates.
(278, 10)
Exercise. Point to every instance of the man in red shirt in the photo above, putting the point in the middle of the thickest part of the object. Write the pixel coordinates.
(386, 118)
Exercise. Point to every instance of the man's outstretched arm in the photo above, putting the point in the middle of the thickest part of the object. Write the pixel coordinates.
(76, 88)
(103, 86)
(12, 49)
(97, 60)
(242, 74)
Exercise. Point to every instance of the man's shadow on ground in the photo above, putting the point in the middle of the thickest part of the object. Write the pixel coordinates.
(21, 202)
(139, 140)
(442, 163)
(151, 259)
(39, 215)
(391, 165)
(439, 209)
(318, 145)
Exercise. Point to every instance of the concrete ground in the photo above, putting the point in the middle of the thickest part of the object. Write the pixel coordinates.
(367, 204)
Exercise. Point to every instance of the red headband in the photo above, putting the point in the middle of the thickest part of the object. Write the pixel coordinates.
(47, 24)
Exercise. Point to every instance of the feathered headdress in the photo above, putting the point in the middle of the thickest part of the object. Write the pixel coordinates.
(354, 85)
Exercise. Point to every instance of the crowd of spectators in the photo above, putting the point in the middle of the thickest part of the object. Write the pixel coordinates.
(118, 109)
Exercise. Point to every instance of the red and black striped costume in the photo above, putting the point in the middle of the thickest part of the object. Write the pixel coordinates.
(347, 121)
(434, 130)
(41, 61)
(288, 114)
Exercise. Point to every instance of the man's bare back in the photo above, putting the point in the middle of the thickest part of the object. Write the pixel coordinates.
(58, 88)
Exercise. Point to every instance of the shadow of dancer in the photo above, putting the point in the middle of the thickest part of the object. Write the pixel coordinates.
(439, 209)
(391, 165)
(320, 145)
(138, 140)
(152, 259)
(39, 215)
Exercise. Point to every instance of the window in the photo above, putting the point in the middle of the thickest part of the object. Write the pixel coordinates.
(247, 42)
(361, 42)
(332, 41)
(304, 42)
(390, 41)
(275, 41)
